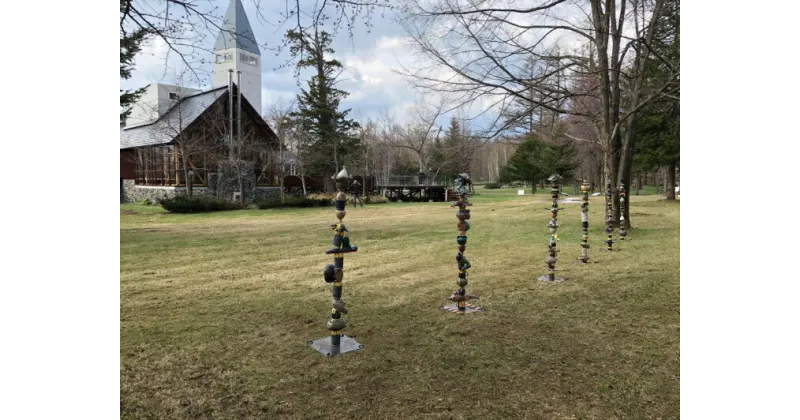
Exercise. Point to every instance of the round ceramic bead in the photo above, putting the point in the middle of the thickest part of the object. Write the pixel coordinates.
(337, 324)
(328, 274)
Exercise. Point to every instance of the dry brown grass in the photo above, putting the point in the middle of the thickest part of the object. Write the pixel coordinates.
(216, 311)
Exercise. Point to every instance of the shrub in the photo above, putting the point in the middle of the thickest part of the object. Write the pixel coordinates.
(322, 196)
(186, 204)
(375, 199)
(491, 186)
(270, 202)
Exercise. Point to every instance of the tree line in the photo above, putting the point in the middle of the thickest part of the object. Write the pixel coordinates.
(588, 88)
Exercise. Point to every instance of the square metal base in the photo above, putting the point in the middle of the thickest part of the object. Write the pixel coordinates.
(346, 344)
(453, 307)
(547, 279)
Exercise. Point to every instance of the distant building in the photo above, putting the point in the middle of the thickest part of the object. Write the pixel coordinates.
(177, 137)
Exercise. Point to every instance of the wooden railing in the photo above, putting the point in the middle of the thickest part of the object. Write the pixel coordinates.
(409, 181)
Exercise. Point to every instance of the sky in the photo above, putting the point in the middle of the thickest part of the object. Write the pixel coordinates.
(368, 59)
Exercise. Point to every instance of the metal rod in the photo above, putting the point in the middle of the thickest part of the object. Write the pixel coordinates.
(460, 296)
(230, 113)
(555, 191)
(622, 232)
(585, 187)
(239, 106)
(609, 217)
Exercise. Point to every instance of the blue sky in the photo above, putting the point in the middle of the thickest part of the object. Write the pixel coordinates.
(368, 59)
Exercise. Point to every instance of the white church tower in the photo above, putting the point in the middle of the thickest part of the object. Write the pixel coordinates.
(236, 48)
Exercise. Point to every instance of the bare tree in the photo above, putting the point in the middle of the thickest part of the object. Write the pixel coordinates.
(279, 117)
(417, 136)
(483, 50)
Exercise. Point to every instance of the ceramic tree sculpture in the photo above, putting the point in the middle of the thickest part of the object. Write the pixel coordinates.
(585, 187)
(337, 342)
(555, 182)
(609, 217)
(622, 232)
(460, 296)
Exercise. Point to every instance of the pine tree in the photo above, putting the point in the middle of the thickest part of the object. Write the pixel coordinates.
(332, 143)
(657, 127)
(527, 164)
(450, 150)
(129, 46)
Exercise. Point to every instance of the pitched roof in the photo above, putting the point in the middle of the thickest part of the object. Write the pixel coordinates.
(164, 129)
(236, 31)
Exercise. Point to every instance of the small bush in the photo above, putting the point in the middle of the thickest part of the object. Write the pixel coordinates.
(491, 186)
(375, 199)
(269, 203)
(322, 196)
(186, 204)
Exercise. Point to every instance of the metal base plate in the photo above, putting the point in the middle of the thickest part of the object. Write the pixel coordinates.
(323, 345)
(470, 308)
(547, 279)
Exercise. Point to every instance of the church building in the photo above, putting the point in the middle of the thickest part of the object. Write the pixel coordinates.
(180, 140)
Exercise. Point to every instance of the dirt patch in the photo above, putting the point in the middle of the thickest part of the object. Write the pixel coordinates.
(641, 214)
(128, 212)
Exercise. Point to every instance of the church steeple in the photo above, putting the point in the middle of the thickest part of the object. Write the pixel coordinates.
(236, 31)
(236, 48)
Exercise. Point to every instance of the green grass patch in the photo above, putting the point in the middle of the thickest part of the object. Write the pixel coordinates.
(216, 310)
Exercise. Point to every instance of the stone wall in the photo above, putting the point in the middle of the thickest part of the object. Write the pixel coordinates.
(131, 193)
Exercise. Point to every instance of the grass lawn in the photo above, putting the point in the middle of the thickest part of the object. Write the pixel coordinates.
(216, 310)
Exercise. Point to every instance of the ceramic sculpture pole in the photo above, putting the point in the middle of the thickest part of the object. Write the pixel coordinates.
(460, 296)
(337, 342)
(609, 217)
(585, 187)
(555, 181)
(622, 232)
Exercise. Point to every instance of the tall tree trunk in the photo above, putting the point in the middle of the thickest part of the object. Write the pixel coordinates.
(282, 173)
(186, 169)
(670, 181)
(638, 182)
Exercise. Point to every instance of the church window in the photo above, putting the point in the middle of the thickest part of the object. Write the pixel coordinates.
(223, 58)
(173, 96)
(248, 59)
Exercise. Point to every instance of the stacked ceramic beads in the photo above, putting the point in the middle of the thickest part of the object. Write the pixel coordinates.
(622, 232)
(585, 222)
(334, 272)
(460, 296)
(609, 217)
(553, 226)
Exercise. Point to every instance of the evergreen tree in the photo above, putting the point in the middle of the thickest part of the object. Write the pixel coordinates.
(332, 143)
(450, 150)
(560, 156)
(534, 161)
(657, 127)
(129, 45)
(438, 159)
(458, 148)
(527, 164)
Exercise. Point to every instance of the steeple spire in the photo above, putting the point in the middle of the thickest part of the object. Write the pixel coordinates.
(236, 31)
